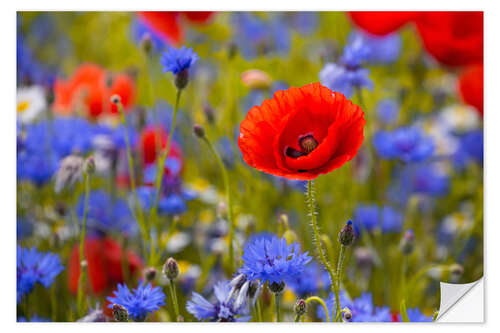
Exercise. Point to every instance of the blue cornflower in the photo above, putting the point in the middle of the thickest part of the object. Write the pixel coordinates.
(33, 319)
(472, 144)
(273, 260)
(408, 144)
(177, 60)
(416, 316)
(305, 22)
(387, 111)
(223, 309)
(371, 217)
(311, 281)
(362, 308)
(379, 50)
(344, 80)
(173, 204)
(142, 300)
(35, 267)
(104, 215)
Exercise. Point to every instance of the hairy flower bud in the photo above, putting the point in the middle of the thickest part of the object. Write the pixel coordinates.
(199, 131)
(346, 235)
(300, 307)
(150, 274)
(171, 269)
(89, 165)
(209, 113)
(407, 242)
(120, 313)
(146, 44)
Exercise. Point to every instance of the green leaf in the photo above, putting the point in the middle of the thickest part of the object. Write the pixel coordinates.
(404, 315)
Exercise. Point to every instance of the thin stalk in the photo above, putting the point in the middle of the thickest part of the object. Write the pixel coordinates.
(227, 187)
(138, 210)
(320, 301)
(174, 299)
(83, 264)
(153, 213)
(339, 277)
(258, 310)
(277, 306)
(314, 223)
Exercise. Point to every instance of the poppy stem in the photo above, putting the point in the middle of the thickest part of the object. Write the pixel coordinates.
(311, 203)
(230, 214)
(174, 299)
(83, 263)
(320, 301)
(160, 170)
(138, 210)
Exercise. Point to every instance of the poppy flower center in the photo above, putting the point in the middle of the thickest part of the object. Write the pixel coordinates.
(307, 144)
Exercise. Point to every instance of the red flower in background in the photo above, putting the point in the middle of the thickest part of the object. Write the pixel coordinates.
(91, 87)
(381, 23)
(104, 260)
(169, 24)
(302, 132)
(470, 85)
(453, 38)
(148, 145)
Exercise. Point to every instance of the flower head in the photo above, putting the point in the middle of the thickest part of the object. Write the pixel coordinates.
(362, 308)
(301, 132)
(340, 78)
(224, 308)
(471, 85)
(35, 267)
(142, 300)
(30, 103)
(177, 60)
(371, 217)
(273, 260)
(387, 111)
(408, 144)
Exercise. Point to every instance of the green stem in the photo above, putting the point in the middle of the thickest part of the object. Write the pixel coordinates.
(153, 213)
(277, 306)
(258, 310)
(314, 223)
(339, 278)
(230, 213)
(320, 301)
(174, 299)
(138, 210)
(83, 264)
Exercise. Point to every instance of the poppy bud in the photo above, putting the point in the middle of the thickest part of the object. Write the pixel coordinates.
(182, 79)
(407, 242)
(300, 307)
(171, 269)
(199, 131)
(150, 274)
(346, 235)
(347, 314)
(277, 287)
(89, 165)
(146, 44)
(209, 113)
(120, 313)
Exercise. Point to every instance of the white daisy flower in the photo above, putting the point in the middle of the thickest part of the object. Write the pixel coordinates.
(30, 103)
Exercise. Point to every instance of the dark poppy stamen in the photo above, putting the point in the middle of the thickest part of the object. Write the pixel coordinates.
(308, 143)
(293, 153)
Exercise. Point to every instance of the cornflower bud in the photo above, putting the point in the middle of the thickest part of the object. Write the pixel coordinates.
(171, 269)
(146, 44)
(407, 242)
(209, 113)
(346, 235)
(347, 314)
(182, 79)
(199, 131)
(150, 274)
(89, 165)
(277, 287)
(120, 313)
(300, 307)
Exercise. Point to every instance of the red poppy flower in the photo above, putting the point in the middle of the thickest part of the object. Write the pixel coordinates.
(104, 260)
(381, 23)
(453, 38)
(148, 145)
(470, 85)
(302, 132)
(168, 24)
(89, 87)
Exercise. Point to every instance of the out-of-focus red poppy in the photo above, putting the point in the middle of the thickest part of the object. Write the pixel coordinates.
(470, 85)
(453, 38)
(382, 23)
(169, 24)
(91, 87)
(302, 132)
(148, 145)
(104, 260)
